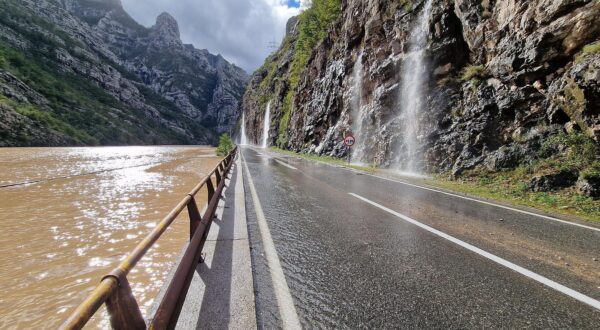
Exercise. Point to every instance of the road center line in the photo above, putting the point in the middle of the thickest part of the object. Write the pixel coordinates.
(285, 302)
(285, 164)
(523, 271)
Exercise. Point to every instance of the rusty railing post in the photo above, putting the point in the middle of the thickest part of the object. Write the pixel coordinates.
(218, 176)
(194, 215)
(114, 289)
(210, 188)
(123, 309)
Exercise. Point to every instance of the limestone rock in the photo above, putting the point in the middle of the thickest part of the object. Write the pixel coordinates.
(533, 79)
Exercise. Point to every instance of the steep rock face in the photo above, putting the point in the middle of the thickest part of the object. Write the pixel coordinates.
(104, 79)
(202, 85)
(503, 78)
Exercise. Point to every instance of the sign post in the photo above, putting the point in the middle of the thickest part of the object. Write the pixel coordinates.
(349, 141)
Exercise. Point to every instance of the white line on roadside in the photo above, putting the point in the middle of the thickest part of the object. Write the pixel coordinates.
(464, 197)
(536, 277)
(484, 202)
(285, 302)
(285, 164)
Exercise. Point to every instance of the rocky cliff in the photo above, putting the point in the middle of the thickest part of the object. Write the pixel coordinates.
(505, 84)
(84, 72)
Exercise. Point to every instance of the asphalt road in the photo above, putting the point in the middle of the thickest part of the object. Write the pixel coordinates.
(334, 248)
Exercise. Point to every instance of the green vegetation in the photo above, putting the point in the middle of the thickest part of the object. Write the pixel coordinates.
(473, 74)
(512, 187)
(590, 49)
(324, 159)
(225, 145)
(582, 151)
(78, 106)
(313, 25)
(563, 152)
(46, 119)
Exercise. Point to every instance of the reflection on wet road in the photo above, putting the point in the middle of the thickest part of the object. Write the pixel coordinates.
(70, 214)
(359, 263)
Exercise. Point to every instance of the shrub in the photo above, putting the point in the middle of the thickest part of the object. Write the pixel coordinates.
(473, 72)
(225, 145)
(590, 49)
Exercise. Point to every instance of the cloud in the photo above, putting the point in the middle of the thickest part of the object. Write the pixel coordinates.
(239, 30)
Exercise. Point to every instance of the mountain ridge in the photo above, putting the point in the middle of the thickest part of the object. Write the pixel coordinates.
(127, 91)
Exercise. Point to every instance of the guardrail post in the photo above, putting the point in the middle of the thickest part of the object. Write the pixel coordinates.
(194, 215)
(218, 175)
(210, 188)
(123, 308)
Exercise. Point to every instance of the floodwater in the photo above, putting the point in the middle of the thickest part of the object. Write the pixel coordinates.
(69, 215)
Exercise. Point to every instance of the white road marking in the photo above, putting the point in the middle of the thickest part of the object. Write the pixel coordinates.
(486, 203)
(285, 164)
(285, 302)
(465, 197)
(536, 277)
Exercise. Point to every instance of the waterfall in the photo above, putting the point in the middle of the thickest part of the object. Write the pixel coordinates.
(266, 126)
(412, 96)
(358, 117)
(243, 138)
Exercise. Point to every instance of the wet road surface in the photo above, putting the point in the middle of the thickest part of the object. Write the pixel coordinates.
(352, 258)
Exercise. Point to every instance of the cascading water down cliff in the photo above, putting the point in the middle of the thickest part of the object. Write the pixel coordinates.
(358, 113)
(266, 126)
(243, 138)
(413, 96)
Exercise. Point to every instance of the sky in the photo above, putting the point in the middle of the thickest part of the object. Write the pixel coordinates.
(239, 30)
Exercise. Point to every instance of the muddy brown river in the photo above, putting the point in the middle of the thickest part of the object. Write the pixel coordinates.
(69, 215)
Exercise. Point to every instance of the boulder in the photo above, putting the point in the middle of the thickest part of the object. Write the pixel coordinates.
(589, 187)
(554, 181)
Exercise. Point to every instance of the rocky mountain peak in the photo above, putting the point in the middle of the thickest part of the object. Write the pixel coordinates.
(166, 30)
(136, 85)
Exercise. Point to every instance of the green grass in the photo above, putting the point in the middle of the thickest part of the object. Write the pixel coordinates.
(590, 49)
(324, 159)
(46, 119)
(473, 73)
(313, 25)
(511, 187)
(78, 104)
(562, 152)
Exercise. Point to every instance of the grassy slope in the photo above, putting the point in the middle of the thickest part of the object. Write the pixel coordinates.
(313, 25)
(504, 186)
(80, 109)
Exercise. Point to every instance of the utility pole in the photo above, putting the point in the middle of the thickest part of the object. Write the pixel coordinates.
(272, 45)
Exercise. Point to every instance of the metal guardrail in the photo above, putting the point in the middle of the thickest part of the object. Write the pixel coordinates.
(114, 289)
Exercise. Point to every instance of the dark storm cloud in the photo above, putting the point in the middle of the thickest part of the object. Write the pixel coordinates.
(239, 30)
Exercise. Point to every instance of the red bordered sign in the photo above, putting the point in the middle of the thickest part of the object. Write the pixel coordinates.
(349, 140)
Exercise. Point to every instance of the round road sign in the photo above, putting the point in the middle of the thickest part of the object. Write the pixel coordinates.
(349, 140)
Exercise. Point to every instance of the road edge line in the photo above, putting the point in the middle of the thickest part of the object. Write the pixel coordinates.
(456, 195)
(287, 309)
(523, 271)
(285, 164)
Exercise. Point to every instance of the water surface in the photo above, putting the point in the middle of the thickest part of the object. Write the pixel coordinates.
(69, 215)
